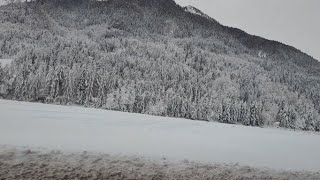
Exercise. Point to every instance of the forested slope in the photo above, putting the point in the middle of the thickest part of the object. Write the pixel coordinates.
(153, 57)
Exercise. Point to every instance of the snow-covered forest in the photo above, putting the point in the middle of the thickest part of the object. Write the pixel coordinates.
(153, 57)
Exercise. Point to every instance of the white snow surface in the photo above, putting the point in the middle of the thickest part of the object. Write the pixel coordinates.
(194, 10)
(5, 62)
(71, 128)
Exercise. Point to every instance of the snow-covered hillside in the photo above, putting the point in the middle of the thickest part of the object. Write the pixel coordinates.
(78, 129)
(196, 11)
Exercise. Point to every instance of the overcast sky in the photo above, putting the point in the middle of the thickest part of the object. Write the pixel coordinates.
(293, 22)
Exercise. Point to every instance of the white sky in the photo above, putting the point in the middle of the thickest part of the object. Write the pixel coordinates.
(293, 22)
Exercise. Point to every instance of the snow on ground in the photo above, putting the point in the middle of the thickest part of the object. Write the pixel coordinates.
(4, 62)
(77, 129)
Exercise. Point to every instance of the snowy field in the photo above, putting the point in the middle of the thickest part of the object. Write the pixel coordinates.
(77, 129)
(4, 62)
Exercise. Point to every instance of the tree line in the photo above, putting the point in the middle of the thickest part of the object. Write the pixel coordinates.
(133, 66)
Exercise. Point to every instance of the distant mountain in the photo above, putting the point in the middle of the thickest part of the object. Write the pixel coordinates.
(154, 57)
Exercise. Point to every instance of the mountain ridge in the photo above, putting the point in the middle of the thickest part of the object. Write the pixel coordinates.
(196, 11)
(168, 4)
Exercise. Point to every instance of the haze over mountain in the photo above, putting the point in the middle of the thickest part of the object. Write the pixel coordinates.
(154, 57)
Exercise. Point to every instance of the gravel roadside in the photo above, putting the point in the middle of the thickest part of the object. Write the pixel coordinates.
(24, 163)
